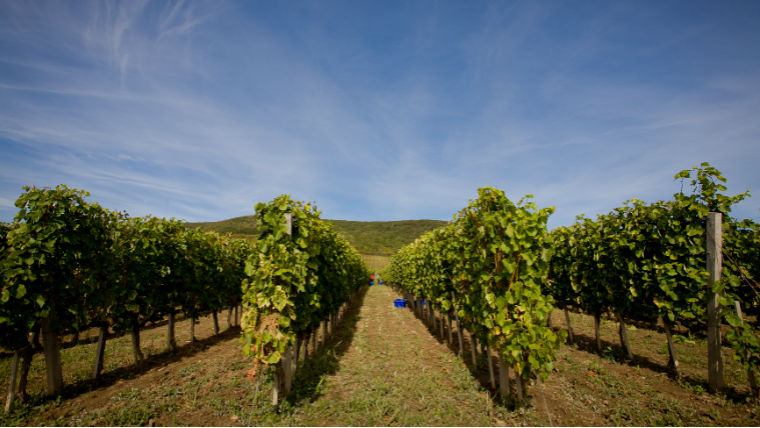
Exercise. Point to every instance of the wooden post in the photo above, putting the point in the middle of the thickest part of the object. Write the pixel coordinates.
(139, 357)
(623, 333)
(459, 327)
(171, 342)
(569, 327)
(519, 386)
(27, 352)
(192, 329)
(229, 317)
(451, 333)
(216, 323)
(504, 386)
(278, 380)
(324, 332)
(672, 357)
(53, 373)
(597, 325)
(440, 321)
(491, 376)
(750, 373)
(283, 376)
(99, 352)
(473, 344)
(714, 265)
(12, 383)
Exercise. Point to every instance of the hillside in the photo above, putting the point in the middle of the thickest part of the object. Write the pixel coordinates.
(368, 237)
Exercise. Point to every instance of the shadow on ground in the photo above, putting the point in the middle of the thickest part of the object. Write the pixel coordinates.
(480, 371)
(110, 377)
(311, 373)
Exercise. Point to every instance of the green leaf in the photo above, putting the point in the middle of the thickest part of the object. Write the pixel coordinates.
(273, 358)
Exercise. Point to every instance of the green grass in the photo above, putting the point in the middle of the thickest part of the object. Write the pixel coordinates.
(245, 225)
(376, 263)
(383, 367)
(368, 237)
(383, 237)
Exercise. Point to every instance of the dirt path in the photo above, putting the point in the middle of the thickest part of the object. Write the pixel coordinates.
(395, 373)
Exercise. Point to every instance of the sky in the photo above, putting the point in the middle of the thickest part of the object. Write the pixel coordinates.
(376, 110)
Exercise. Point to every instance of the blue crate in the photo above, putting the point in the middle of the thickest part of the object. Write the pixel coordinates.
(399, 303)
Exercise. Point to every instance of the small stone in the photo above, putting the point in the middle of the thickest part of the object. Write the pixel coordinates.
(234, 418)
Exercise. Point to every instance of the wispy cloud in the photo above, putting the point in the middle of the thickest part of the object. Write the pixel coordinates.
(199, 109)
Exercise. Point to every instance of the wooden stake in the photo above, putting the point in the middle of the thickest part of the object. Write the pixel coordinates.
(597, 324)
(440, 321)
(519, 386)
(99, 352)
(473, 344)
(569, 327)
(672, 357)
(623, 333)
(460, 336)
(216, 323)
(139, 357)
(12, 383)
(451, 333)
(492, 378)
(714, 265)
(277, 387)
(504, 386)
(459, 327)
(53, 373)
(171, 342)
(27, 352)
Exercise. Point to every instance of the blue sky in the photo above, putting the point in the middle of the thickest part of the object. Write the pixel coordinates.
(376, 110)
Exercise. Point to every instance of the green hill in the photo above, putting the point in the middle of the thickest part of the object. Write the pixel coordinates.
(383, 237)
(368, 237)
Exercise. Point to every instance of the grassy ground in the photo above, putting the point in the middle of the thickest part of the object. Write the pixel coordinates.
(382, 367)
(375, 263)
